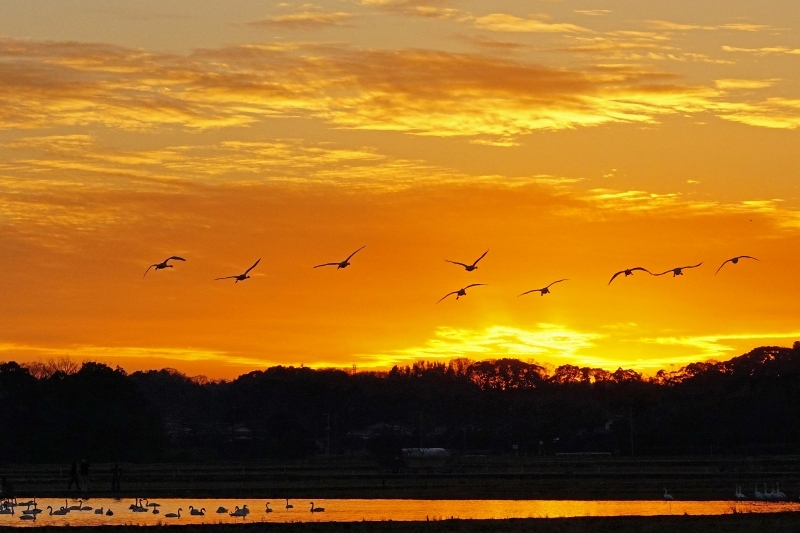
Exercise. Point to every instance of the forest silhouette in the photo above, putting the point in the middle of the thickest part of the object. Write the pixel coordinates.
(57, 411)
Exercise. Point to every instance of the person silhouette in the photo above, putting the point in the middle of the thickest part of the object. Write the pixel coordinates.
(115, 475)
(84, 475)
(73, 477)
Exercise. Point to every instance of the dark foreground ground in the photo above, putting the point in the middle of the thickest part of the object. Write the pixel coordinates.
(475, 477)
(772, 523)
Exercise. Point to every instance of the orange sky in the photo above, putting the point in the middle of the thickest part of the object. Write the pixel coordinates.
(570, 138)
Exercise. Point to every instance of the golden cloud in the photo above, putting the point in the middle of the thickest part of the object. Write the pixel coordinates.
(304, 20)
(436, 93)
(548, 341)
(766, 50)
(501, 22)
(674, 26)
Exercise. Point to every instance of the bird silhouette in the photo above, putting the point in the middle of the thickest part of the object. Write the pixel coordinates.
(629, 272)
(543, 290)
(342, 264)
(733, 260)
(163, 264)
(241, 277)
(461, 292)
(678, 271)
(473, 266)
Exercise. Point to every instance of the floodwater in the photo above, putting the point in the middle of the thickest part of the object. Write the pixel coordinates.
(372, 510)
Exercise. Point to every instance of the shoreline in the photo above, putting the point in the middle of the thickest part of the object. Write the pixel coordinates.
(740, 522)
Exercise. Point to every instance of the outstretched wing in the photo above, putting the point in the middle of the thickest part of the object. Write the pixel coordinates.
(559, 281)
(327, 265)
(722, 265)
(354, 253)
(748, 257)
(226, 277)
(148, 270)
(692, 266)
(642, 269)
(474, 285)
(175, 257)
(446, 295)
(615, 275)
(481, 257)
(528, 292)
(252, 267)
(665, 272)
(457, 263)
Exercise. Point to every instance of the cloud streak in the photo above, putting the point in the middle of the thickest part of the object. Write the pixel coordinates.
(420, 92)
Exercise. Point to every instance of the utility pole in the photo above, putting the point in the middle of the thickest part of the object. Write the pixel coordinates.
(328, 433)
(630, 420)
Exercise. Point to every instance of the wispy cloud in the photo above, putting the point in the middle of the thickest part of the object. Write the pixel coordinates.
(665, 25)
(412, 91)
(104, 353)
(304, 20)
(502, 22)
(592, 12)
(763, 51)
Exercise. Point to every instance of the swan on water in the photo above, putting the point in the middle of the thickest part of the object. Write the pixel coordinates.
(667, 495)
(289, 505)
(173, 515)
(267, 510)
(197, 512)
(317, 509)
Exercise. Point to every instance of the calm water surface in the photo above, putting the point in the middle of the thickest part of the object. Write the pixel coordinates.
(356, 510)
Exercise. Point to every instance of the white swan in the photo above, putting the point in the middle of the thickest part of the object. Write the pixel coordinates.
(778, 494)
(173, 515)
(322, 509)
(758, 495)
(197, 512)
(739, 494)
(667, 495)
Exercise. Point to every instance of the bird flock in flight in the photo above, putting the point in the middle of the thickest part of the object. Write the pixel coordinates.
(469, 267)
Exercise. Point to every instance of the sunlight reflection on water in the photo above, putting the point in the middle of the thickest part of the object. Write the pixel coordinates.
(376, 510)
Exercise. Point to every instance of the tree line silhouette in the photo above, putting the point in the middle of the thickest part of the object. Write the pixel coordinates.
(59, 410)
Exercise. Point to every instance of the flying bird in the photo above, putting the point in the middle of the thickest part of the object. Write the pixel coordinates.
(461, 292)
(343, 264)
(473, 266)
(544, 290)
(629, 272)
(241, 277)
(734, 260)
(163, 264)
(678, 271)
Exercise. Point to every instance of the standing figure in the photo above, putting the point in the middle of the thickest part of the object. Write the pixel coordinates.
(115, 474)
(73, 476)
(84, 476)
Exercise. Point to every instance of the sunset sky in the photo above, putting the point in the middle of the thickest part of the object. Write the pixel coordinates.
(570, 138)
